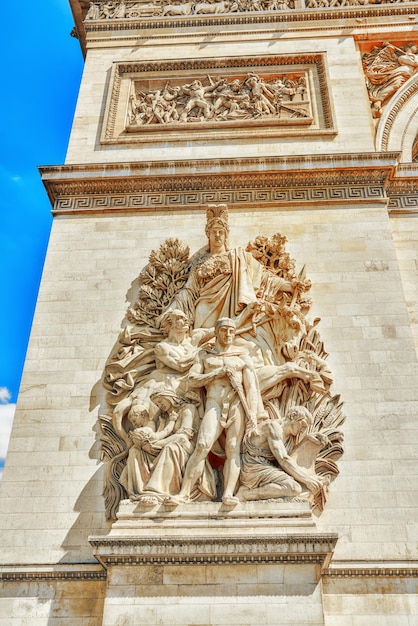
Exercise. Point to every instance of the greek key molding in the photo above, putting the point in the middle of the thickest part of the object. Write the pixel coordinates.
(315, 548)
(403, 204)
(403, 190)
(199, 199)
(243, 183)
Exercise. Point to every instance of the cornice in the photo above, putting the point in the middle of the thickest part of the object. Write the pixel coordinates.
(403, 191)
(98, 573)
(358, 18)
(29, 573)
(251, 183)
(292, 18)
(368, 570)
(309, 548)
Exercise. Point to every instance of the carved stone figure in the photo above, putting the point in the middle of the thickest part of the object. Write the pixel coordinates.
(268, 471)
(93, 13)
(146, 441)
(185, 8)
(108, 9)
(232, 405)
(387, 68)
(132, 9)
(120, 10)
(219, 100)
(167, 469)
(266, 356)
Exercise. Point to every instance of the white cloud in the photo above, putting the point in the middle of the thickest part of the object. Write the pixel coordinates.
(4, 395)
(7, 412)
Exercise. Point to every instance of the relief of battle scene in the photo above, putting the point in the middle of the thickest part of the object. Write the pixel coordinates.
(162, 8)
(209, 99)
(125, 9)
(218, 388)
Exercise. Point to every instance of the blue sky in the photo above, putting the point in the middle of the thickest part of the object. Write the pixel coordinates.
(42, 68)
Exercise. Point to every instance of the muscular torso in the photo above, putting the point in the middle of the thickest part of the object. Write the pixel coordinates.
(219, 388)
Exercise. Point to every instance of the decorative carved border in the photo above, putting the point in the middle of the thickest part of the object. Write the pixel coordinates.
(372, 572)
(388, 10)
(343, 19)
(403, 204)
(189, 200)
(37, 574)
(394, 108)
(248, 183)
(403, 190)
(315, 548)
(99, 575)
(116, 106)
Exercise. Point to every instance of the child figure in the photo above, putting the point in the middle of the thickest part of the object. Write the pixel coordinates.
(147, 432)
(169, 466)
(143, 447)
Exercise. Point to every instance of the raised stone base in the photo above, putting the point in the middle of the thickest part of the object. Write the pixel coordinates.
(262, 516)
(206, 564)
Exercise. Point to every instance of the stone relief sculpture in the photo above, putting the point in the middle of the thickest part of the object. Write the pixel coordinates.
(129, 10)
(251, 97)
(218, 387)
(387, 68)
(132, 9)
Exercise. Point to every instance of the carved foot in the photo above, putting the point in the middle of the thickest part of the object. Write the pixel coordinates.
(173, 501)
(230, 500)
(148, 501)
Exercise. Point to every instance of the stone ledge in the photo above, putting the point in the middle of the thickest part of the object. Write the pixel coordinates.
(249, 183)
(211, 512)
(356, 569)
(77, 571)
(312, 548)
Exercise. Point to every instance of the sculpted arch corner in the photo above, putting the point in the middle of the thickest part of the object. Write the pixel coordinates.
(397, 128)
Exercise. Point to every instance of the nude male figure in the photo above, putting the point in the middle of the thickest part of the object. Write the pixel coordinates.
(267, 469)
(232, 403)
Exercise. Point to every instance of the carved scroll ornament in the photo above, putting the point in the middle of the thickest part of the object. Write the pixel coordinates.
(219, 388)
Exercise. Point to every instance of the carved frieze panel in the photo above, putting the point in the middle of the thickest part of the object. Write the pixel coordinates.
(132, 9)
(280, 95)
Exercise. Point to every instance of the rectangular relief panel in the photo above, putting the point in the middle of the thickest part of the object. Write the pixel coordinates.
(284, 95)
